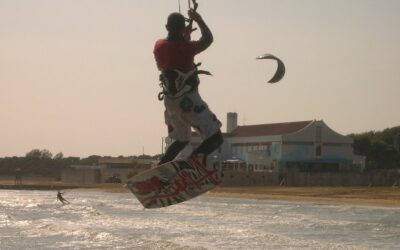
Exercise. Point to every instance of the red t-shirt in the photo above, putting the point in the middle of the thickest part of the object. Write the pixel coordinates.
(176, 54)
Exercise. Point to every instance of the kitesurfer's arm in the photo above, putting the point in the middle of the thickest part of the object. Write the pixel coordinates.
(206, 36)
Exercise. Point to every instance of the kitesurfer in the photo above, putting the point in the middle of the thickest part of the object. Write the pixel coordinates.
(61, 198)
(184, 108)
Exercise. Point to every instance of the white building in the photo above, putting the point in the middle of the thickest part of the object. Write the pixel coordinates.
(299, 146)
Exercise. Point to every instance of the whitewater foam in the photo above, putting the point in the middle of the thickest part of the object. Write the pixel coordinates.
(96, 220)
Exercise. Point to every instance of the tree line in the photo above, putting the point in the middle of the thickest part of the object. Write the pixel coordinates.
(381, 148)
(42, 163)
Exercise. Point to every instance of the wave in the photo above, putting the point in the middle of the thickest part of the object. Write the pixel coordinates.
(107, 221)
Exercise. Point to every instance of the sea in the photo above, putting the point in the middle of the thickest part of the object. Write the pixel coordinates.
(105, 220)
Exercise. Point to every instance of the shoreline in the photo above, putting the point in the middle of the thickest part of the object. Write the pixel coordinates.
(364, 196)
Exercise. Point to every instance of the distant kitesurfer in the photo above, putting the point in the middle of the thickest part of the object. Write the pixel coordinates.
(18, 177)
(61, 198)
(184, 108)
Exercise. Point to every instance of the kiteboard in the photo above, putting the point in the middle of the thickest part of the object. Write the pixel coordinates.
(173, 182)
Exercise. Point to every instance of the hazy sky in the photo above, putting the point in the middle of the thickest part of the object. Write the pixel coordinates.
(79, 77)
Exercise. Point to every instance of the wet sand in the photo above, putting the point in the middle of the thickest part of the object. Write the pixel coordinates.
(370, 196)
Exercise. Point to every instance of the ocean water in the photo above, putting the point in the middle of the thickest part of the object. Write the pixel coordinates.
(101, 220)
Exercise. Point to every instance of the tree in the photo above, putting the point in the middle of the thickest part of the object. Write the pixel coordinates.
(45, 154)
(39, 154)
(362, 143)
(59, 156)
(91, 160)
(34, 153)
(379, 148)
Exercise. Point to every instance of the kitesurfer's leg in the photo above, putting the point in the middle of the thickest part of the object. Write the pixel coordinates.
(173, 151)
(178, 130)
(61, 200)
(206, 123)
(208, 146)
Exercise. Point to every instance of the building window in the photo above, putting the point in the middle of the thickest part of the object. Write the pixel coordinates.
(318, 141)
(235, 150)
(318, 151)
(318, 135)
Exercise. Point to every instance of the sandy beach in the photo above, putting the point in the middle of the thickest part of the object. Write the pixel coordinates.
(370, 196)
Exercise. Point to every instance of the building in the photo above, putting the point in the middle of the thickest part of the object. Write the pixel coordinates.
(119, 168)
(81, 174)
(304, 146)
(108, 170)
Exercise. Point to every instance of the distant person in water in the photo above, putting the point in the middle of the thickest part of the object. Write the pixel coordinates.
(18, 177)
(61, 198)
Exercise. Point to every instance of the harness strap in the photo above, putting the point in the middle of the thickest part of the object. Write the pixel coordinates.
(175, 83)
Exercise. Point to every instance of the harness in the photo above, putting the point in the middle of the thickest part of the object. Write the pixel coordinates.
(175, 83)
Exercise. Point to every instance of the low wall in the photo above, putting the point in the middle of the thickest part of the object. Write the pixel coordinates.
(122, 172)
(233, 178)
(376, 178)
(29, 178)
(81, 176)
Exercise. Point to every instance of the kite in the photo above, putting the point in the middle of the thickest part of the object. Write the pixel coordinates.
(280, 71)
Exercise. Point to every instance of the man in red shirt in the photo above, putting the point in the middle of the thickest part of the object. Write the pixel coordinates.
(184, 108)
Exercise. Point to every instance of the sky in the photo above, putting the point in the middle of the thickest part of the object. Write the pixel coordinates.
(79, 77)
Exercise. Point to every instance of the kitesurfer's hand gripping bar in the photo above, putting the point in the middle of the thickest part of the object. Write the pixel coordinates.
(189, 27)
